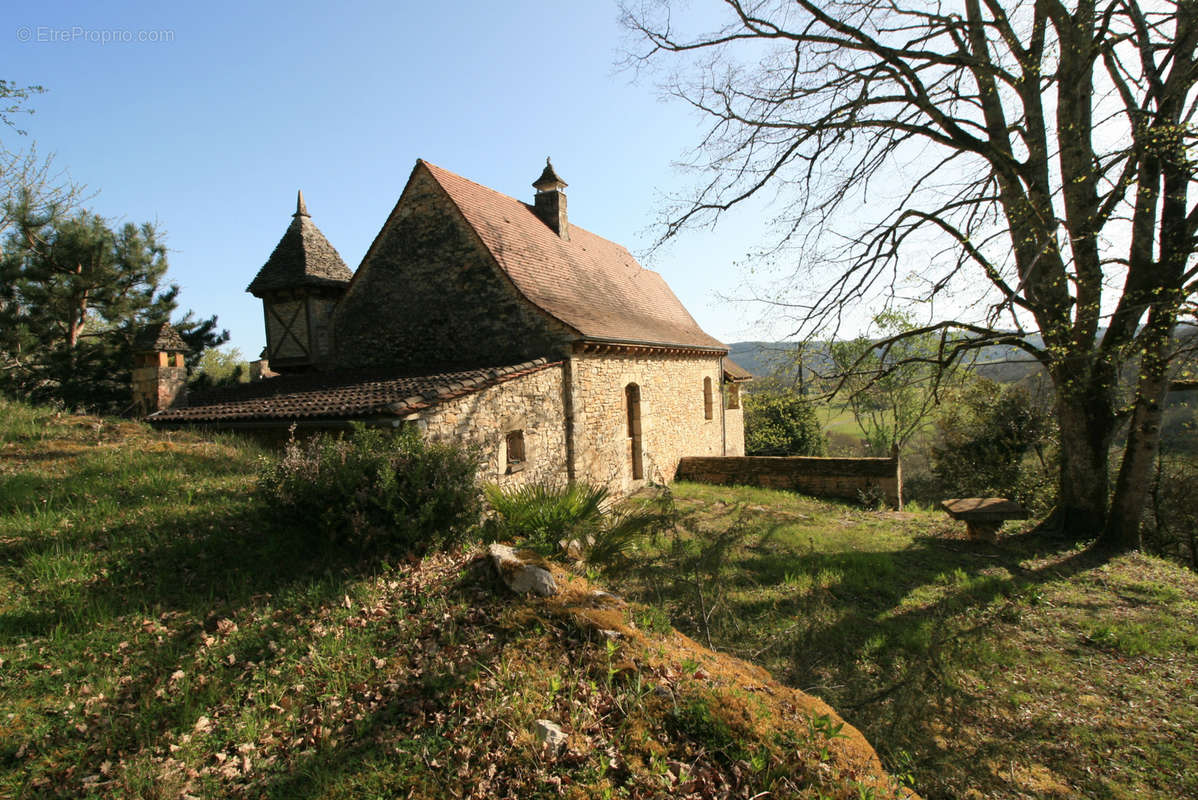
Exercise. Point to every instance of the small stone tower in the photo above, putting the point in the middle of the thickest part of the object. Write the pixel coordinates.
(299, 286)
(159, 376)
(550, 201)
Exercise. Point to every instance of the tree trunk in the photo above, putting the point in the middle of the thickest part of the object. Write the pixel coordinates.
(1087, 428)
(1122, 529)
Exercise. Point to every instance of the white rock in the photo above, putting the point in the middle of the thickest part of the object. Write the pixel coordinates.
(603, 599)
(551, 734)
(519, 576)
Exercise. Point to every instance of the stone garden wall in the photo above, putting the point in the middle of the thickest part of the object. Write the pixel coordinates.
(847, 478)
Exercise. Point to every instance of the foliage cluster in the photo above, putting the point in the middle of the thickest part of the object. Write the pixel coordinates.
(377, 489)
(577, 517)
(995, 440)
(781, 422)
(217, 367)
(1171, 525)
(74, 294)
(75, 289)
(890, 384)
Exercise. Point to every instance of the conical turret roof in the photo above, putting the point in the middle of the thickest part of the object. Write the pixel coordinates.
(303, 257)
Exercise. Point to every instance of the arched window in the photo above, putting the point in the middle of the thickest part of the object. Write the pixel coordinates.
(707, 398)
(632, 402)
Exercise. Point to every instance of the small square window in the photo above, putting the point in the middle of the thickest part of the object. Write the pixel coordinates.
(514, 442)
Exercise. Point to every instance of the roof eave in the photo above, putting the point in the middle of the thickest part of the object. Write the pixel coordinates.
(722, 350)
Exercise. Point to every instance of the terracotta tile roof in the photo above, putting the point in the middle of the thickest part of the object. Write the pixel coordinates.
(303, 257)
(591, 284)
(160, 337)
(339, 395)
(735, 372)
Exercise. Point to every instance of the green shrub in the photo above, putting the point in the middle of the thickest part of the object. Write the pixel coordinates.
(995, 440)
(544, 515)
(779, 422)
(375, 488)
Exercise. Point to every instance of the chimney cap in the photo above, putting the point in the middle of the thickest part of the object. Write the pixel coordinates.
(161, 337)
(549, 179)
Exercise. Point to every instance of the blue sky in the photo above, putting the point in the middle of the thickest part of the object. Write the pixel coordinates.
(211, 117)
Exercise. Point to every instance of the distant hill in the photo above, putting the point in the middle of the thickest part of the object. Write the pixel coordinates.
(1001, 363)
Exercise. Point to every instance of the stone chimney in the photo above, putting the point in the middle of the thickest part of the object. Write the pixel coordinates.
(159, 375)
(550, 201)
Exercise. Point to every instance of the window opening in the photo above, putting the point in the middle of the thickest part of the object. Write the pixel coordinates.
(632, 402)
(515, 451)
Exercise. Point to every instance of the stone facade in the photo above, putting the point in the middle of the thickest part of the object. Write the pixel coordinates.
(428, 294)
(158, 381)
(532, 405)
(672, 422)
(600, 373)
(734, 428)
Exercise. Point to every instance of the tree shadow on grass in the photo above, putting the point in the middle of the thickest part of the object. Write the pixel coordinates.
(876, 632)
(201, 564)
(412, 742)
(171, 589)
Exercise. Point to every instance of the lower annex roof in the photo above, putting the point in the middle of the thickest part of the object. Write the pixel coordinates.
(339, 395)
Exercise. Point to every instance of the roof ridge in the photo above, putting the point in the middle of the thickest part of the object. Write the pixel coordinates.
(528, 206)
(591, 284)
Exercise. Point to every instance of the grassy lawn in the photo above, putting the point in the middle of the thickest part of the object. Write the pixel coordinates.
(1026, 669)
(160, 638)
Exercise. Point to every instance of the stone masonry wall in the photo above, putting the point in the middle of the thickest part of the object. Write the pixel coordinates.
(672, 420)
(429, 295)
(734, 424)
(821, 477)
(156, 388)
(532, 404)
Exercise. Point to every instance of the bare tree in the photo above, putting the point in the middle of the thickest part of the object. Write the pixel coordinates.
(1056, 144)
(30, 188)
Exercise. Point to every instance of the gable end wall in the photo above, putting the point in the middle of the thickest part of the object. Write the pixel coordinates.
(428, 294)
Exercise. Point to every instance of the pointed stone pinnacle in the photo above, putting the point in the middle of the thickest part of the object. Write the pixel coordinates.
(301, 210)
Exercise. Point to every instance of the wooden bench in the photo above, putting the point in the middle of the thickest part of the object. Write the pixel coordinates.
(983, 516)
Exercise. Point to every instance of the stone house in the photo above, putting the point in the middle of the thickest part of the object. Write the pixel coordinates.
(490, 321)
